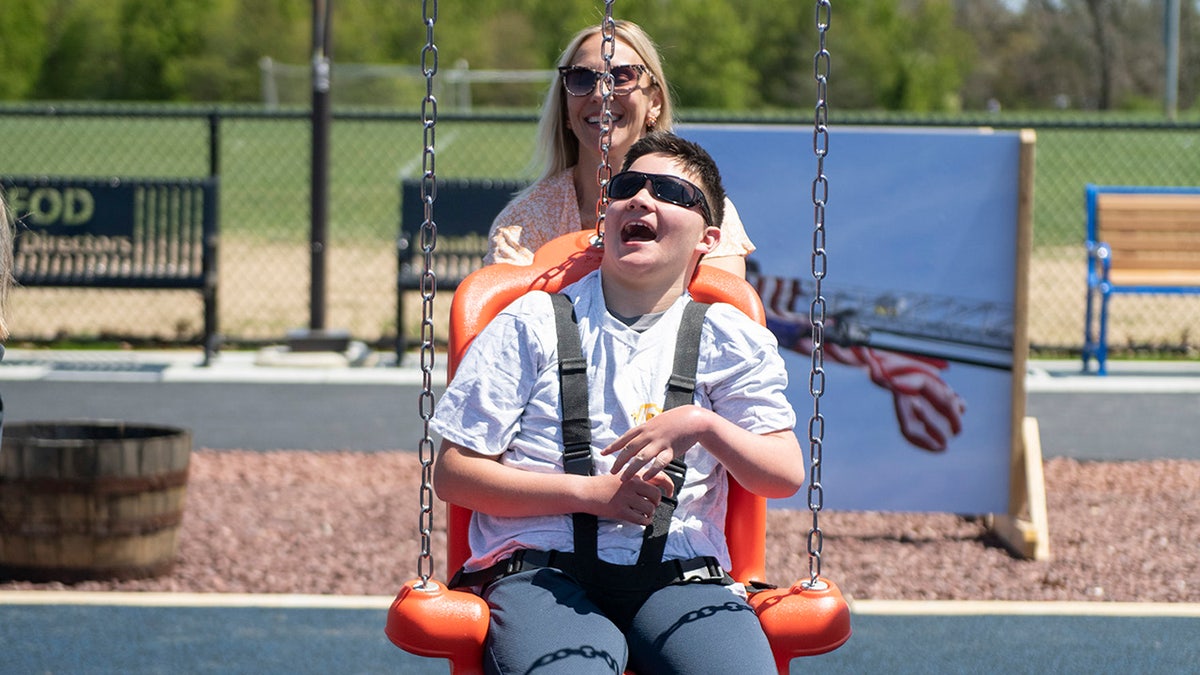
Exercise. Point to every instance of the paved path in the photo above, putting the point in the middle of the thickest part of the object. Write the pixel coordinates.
(1139, 411)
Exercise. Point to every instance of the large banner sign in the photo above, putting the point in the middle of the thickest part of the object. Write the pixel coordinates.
(921, 244)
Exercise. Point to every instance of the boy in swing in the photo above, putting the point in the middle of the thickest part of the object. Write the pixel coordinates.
(592, 435)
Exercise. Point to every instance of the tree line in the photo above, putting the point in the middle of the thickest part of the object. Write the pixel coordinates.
(895, 55)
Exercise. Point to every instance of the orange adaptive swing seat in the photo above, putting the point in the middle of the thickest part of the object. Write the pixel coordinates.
(436, 621)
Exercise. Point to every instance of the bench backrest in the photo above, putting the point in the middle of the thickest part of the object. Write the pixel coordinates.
(113, 232)
(1153, 233)
(463, 210)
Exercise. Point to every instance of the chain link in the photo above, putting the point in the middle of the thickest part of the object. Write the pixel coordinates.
(608, 45)
(428, 291)
(816, 313)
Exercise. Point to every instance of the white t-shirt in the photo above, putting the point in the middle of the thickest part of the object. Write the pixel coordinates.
(504, 401)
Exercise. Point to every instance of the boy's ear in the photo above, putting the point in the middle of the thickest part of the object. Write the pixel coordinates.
(709, 239)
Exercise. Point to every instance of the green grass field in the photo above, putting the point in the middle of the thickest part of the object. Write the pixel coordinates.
(264, 165)
(1068, 159)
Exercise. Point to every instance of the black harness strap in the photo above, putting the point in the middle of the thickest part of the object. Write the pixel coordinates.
(616, 578)
(681, 389)
(682, 384)
(573, 381)
(576, 418)
(577, 436)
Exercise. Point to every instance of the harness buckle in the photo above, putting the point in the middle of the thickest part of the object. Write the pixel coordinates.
(698, 569)
(676, 470)
(568, 365)
(577, 458)
(515, 562)
(681, 383)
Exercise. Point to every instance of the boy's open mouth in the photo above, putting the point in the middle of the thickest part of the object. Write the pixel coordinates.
(637, 231)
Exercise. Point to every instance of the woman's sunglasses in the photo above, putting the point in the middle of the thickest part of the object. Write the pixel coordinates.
(581, 80)
(670, 189)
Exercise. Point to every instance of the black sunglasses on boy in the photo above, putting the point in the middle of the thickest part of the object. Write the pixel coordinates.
(670, 189)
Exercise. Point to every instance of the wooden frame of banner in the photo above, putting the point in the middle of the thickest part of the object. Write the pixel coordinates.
(1024, 529)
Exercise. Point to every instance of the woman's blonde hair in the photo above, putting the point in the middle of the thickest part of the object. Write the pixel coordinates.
(558, 148)
(6, 263)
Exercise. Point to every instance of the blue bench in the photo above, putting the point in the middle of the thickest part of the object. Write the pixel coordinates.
(137, 233)
(1139, 240)
(463, 210)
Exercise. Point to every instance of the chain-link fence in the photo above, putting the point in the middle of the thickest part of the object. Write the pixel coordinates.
(263, 160)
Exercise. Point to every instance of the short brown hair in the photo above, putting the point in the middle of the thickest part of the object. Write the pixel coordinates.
(695, 158)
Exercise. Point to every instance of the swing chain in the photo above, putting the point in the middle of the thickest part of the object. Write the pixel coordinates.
(608, 44)
(816, 383)
(429, 60)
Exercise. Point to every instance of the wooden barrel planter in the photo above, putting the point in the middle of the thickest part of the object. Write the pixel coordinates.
(90, 499)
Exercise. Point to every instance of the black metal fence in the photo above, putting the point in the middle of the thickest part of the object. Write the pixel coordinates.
(263, 161)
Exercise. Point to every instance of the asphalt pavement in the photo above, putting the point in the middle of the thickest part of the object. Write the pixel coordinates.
(165, 634)
(1139, 411)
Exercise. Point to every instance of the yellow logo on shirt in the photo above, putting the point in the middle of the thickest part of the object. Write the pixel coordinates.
(645, 413)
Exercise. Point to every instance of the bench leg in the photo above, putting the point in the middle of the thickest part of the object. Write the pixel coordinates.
(1089, 346)
(212, 340)
(1102, 341)
(401, 343)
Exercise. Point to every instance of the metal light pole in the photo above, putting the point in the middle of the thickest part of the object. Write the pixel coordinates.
(321, 42)
(1171, 39)
(317, 338)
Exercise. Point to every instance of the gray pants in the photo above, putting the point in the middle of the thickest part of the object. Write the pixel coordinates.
(543, 622)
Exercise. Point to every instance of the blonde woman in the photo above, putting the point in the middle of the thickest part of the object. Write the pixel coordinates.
(563, 199)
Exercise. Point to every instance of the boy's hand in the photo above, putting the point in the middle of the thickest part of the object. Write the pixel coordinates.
(634, 500)
(648, 448)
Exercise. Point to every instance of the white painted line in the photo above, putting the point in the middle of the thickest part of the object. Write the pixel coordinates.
(127, 599)
(229, 367)
(1020, 608)
(269, 375)
(23, 373)
(381, 602)
(100, 376)
(1046, 384)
